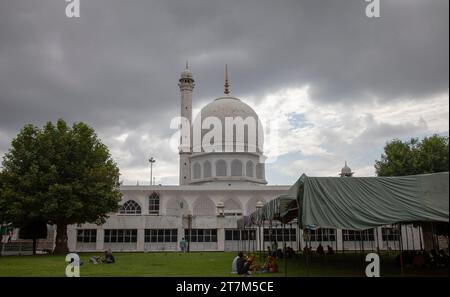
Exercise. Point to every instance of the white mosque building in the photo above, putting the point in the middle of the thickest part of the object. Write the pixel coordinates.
(216, 188)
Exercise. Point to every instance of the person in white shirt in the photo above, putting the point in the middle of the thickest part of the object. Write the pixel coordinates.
(234, 269)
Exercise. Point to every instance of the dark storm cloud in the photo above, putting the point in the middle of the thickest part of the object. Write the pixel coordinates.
(117, 66)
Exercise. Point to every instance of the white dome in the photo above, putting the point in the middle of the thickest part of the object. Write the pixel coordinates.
(239, 161)
(231, 107)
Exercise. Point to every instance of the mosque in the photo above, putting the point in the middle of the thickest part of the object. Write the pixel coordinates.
(216, 187)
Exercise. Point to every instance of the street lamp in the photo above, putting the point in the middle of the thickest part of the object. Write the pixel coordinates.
(151, 160)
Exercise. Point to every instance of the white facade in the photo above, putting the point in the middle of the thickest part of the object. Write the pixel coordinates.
(181, 208)
(194, 207)
(216, 188)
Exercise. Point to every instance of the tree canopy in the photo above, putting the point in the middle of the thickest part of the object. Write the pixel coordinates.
(415, 156)
(58, 174)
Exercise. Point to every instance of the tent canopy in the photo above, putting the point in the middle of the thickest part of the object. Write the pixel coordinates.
(366, 202)
(283, 208)
(358, 203)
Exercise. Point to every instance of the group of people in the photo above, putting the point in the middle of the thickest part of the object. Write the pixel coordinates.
(107, 258)
(274, 251)
(421, 259)
(321, 251)
(245, 265)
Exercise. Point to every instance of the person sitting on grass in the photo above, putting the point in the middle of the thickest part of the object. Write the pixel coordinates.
(109, 258)
(95, 259)
(320, 250)
(271, 265)
(279, 254)
(242, 266)
(418, 260)
(289, 252)
(330, 250)
(234, 268)
(253, 266)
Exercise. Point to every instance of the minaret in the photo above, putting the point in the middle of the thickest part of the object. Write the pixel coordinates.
(346, 171)
(186, 84)
(226, 85)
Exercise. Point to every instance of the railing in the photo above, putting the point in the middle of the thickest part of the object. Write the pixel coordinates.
(17, 248)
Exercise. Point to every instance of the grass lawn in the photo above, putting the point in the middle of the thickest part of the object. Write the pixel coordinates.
(198, 264)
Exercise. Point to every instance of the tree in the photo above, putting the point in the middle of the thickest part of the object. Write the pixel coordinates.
(59, 175)
(414, 157)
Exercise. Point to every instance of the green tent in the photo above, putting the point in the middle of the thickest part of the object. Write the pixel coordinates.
(360, 203)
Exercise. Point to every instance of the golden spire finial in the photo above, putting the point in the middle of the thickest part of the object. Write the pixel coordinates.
(187, 65)
(227, 91)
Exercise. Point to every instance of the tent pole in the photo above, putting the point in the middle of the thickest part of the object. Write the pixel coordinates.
(246, 246)
(361, 237)
(254, 240)
(240, 241)
(387, 239)
(299, 242)
(248, 240)
(243, 240)
(378, 242)
(401, 247)
(335, 240)
(413, 237)
(290, 236)
(433, 237)
(407, 237)
(371, 241)
(263, 239)
(284, 253)
(270, 233)
(307, 252)
(259, 240)
(420, 237)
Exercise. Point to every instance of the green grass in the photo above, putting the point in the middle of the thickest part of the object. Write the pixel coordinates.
(198, 264)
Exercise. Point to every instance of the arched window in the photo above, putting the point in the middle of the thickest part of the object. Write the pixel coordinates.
(221, 168)
(177, 206)
(197, 170)
(236, 168)
(232, 208)
(203, 206)
(130, 207)
(260, 170)
(249, 169)
(207, 169)
(153, 203)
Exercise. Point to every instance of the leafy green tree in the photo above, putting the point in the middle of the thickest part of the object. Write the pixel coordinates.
(429, 155)
(60, 175)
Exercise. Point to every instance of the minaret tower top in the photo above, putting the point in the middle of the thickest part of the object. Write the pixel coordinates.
(226, 85)
(186, 81)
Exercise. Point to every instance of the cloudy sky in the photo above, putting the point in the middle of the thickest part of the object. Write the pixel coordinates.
(339, 83)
